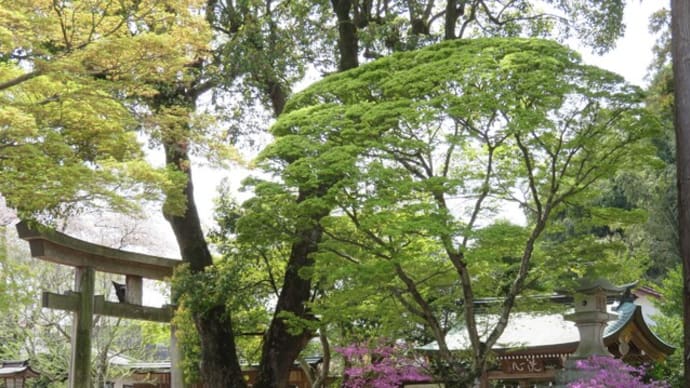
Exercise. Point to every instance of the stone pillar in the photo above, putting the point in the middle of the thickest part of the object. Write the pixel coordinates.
(591, 318)
(80, 365)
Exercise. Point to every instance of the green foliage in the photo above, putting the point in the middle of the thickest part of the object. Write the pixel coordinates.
(68, 133)
(651, 187)
(417, 150)
(669, 327)
(188, 341)
(244, 279)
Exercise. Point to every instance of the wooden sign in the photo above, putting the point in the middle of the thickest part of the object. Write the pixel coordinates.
(522, 365)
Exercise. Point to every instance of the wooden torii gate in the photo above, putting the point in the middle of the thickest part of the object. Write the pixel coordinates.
(86, 258)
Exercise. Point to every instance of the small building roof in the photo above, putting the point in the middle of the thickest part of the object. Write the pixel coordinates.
(588, 286)
(10, 369)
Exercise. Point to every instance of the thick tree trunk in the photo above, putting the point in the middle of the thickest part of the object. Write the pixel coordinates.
(347, 35)
(280, 347)
(219, 364)
(680, 29)
(452, 15)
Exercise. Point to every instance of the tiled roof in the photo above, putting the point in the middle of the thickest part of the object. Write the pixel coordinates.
(535, 330)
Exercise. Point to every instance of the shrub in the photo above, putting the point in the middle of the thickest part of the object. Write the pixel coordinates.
(381, 366)
(609, 372)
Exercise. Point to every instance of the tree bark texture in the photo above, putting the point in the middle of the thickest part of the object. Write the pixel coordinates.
(347, 35)
(280, 347)
(219, 364)
(680, 42)
(453, 12)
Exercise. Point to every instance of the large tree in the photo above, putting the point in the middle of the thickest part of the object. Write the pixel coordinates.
(373, 29)
(680, 43)
(416, 149)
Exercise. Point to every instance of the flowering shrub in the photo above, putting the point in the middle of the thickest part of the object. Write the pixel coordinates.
(609, 372)
(383, 366)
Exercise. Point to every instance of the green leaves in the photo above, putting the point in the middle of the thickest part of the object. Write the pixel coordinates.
(71, 73)
(413, 155)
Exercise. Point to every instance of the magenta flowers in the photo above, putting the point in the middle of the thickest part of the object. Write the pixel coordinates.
(381, 366)
(609, 372)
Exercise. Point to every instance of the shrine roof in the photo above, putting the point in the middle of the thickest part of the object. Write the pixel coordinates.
(16, 368)
(536, 330)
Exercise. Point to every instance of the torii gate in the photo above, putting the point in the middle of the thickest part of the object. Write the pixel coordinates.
(87, 258)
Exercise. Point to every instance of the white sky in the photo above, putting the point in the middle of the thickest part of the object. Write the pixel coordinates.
(633, 53)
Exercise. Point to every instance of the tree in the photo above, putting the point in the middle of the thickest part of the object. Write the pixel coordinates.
(63, 112)
(670, 327)
(414, 154)
(375, 29)
(680, 43)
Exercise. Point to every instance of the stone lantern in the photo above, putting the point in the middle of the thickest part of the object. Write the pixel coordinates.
(591, 316)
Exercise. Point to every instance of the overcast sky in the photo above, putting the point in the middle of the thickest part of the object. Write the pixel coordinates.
(633, 53)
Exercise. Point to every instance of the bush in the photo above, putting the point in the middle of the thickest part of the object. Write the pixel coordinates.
(609, 372)
(382, 366)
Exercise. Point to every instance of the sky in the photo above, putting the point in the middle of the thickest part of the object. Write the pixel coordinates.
(633, 53)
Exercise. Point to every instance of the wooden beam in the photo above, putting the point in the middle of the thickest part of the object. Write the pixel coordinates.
(50, 245)
(135, 289)
(69, 302)
(132, 311)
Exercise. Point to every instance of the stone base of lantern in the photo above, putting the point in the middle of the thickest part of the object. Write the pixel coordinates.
(591, 325)
(570, 373)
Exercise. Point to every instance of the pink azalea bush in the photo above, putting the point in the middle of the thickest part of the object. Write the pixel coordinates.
(382, 366)
(609, 372)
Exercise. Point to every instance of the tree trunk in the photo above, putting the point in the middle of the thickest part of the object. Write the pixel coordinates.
(322, 377)
(219, 364)
(280, 347)
(347, 35)
(680, 41)
(452, 15)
